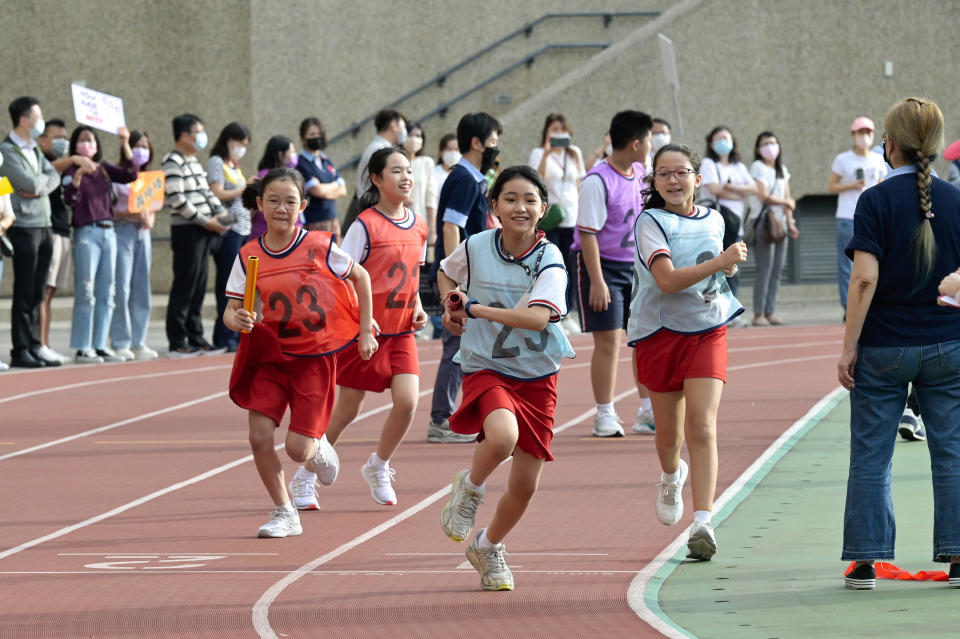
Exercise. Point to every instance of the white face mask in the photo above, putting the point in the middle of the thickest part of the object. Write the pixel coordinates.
(450, 157)
(402, 136)
(863, 140)
(609, 150)
(237, 152)
(659, 140)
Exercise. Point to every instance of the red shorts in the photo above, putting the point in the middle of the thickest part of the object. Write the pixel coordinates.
(531, 402)
(665, 359)
(307, 385)
(395, 355)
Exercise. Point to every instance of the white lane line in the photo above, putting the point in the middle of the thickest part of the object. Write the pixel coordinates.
(124, 422)
(261, 609)
(766, 347)
(637, 592)
(115, 555)
(315, 573)
(160, 493)
(109, 380)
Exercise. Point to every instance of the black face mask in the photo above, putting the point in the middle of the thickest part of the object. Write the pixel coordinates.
(315, 144)
(490, 155)
(886, 158)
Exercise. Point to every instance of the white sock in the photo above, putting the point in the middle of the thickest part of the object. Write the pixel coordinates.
(482, 542)
(480, 489)
(645, 404)
(702, 516)
(287, 508)
(376, 461)
(605, 409)
(671, 477)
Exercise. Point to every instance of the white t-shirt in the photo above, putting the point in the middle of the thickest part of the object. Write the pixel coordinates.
(776, 187)
(549, 289)
(736, 174)
(356, 243)
(339, 262)
(845, 165)
(561, 175)
(592, 210)
(424, 189)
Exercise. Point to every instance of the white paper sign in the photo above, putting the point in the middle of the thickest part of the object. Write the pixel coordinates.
(99, 110)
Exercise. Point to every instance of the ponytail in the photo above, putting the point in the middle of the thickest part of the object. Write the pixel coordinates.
(924, 244)
(249, 197)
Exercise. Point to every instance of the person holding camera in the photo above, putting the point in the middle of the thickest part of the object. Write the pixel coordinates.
(851, 173)
(560, 163)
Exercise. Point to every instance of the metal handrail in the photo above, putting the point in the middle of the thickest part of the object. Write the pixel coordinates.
(527, 60)
(526, 30)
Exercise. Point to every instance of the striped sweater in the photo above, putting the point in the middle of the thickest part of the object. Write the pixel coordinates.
(187, 193)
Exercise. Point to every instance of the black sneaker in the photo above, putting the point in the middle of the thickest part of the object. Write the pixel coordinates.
(955, 575)
(864, 577)
(911, 427)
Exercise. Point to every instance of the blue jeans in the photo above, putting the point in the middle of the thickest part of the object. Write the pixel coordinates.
(881, 376)
(131, 314)
(844, 263)
(449, 379)
(94, 276)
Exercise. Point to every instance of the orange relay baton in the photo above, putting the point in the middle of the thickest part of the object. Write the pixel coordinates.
(252, 262)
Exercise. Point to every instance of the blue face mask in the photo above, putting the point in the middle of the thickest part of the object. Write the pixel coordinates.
(38, 128)
(723, 146)
(201, 142)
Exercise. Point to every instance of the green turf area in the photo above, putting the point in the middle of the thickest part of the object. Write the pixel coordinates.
(778, 571)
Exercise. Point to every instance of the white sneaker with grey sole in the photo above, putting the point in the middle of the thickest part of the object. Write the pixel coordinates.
(607, 425)
(669, 503)
(283, 523)
(644, 424)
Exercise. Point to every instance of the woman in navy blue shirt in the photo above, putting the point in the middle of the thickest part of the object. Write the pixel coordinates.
(322, 183)
(906, 239)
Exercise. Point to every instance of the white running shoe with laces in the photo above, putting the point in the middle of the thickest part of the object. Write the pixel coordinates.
(493, 569)
(327, 462)
(283, 523)
(379, 479)
(303, 490)
(144, 354)
(702, 544)
(458, 514)
(644, 424)
(670, 498)
(607, 425)
(125, 353)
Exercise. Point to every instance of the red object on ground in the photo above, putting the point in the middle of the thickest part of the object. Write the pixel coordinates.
(889, 571)
(952, 152)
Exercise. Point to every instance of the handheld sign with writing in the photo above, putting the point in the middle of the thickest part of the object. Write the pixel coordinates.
(146, 192)
(248, 295)
(96, 109)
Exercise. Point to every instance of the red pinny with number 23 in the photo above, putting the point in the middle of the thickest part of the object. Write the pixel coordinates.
(393, 262)
(309, 308)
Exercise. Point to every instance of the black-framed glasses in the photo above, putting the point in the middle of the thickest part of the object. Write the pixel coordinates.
(663, 174)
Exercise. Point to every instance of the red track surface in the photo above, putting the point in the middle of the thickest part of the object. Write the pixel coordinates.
(80, 556)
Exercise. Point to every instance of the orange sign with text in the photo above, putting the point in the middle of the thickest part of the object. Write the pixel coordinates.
(146, 192)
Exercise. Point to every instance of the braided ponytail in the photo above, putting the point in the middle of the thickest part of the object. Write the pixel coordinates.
(924, 244)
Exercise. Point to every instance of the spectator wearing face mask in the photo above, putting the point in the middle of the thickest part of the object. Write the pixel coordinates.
(227, 183)
(660, 137)
(33, 178)
(391, 131)
(323, 184)
(851, 173)
(56, 145)
(195, 224)
(131, 312)
(89, 194)
(425, 192)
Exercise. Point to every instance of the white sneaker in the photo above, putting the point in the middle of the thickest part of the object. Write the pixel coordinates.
(88, 356)
(702, 544)
(460, 511)
(327, 462)
(144, 354)
(493, 569)
(4, 366)
(283, 523)
(45, 352)
(125, 353)
(108, 355)
(644, 424)
(379, 478)
(303, 490)
(607, 425)
(670, 499)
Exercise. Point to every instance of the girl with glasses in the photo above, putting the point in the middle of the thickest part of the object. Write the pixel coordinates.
(678, 316)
